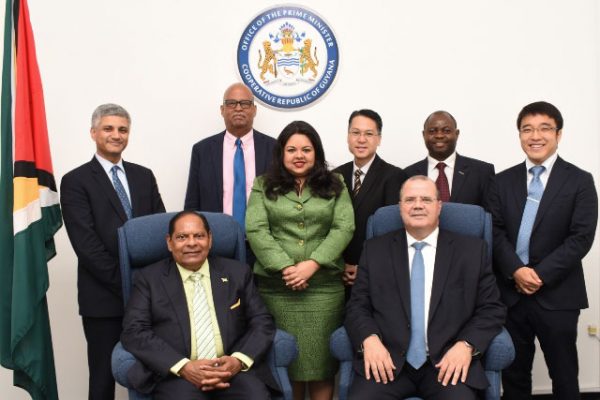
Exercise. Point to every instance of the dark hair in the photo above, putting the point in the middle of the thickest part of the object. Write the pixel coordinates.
(543, 108)
(320, 180)
(369, 114)
(184, 213)
(441, 112)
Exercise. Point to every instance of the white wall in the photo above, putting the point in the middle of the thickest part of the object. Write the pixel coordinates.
(169, 62)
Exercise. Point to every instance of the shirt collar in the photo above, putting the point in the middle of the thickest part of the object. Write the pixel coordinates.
(449, 161)
(107, 165)
(364, 168)
(548, 164)
(246, 139)
(430, 240)
(186, 273)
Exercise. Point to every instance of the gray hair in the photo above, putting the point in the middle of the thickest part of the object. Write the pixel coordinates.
(109, 109)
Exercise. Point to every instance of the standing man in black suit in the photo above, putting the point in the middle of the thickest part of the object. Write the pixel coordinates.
(96, 199)
(424, 308)
(545, 212)
(211, 181)
(372, 182)
(459, 179)
(196, 323)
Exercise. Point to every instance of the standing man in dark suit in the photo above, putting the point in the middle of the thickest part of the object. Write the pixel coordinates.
(372, 182)
(212, 178)
(196, 323)
(459, 179)
(545, 212)
(424, 308)
(96, 199)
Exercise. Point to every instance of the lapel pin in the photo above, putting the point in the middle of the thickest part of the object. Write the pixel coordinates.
(224, 279)
(460, 172)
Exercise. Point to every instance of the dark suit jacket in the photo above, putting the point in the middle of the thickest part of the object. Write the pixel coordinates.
(563, 233)
(205, 182)
(92, 213)
(470, 180)
(156, 327)
(381, 187)
(465, 303)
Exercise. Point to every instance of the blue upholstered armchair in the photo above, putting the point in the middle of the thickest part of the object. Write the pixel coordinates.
(142, 242)
(460, 218)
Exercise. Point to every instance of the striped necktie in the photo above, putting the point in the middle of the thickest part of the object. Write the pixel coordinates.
(205, 337)
(357, 182)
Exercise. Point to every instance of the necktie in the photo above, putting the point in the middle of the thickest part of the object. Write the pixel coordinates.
(120, 189)
(442, 182)
(239, 185)
(357, 182)
(205, 339)
(417, 354)
(534, 196)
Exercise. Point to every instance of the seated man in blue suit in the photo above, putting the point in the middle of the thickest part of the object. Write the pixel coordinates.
(424, 307)
(196, 323)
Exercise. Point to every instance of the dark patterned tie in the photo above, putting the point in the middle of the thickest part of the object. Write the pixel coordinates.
(357, 182)
(442, 182)
(120, 189)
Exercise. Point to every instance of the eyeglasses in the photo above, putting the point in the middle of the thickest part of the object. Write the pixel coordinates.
(245, 104)
(367, 134)
(541, 129)
(413, 200)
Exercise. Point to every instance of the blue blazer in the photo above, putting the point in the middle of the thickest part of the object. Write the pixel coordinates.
(205, 183)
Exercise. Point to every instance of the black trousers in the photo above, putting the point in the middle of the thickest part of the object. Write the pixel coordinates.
(245, 385)
(410, 382)
(556, 331)
(101, 334)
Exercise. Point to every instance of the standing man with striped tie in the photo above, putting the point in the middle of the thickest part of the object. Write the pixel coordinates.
(372, 182)
(96, 199)
(545, 212)
(197, 324)
(459, 179)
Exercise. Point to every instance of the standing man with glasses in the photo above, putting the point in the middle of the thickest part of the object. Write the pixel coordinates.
(223, 166)
(459, 179)
(372, 182)
(545, 212)
(404, 277)
(96, 199)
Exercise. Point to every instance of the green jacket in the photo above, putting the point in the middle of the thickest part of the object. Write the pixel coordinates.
(294, 228)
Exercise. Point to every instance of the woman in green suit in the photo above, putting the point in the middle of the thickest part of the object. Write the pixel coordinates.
(299, 220)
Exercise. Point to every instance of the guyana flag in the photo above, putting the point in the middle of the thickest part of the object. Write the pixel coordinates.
(29, 212)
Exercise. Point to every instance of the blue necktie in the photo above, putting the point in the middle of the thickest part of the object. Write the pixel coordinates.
(120, 189)
(239, 185)
(534, 196)
(417, 353)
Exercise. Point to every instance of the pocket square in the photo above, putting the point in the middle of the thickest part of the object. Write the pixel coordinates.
(236, 305)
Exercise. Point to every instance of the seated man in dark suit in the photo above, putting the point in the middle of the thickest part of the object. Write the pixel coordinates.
(372, 182)
(424, 308)
(545, 211)
(459, 179)
(196, 323)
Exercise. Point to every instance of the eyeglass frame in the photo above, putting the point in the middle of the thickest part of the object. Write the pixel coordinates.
(366, 134)
(232, 104)
(544, 129)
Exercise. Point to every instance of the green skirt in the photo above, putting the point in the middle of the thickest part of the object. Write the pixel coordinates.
(311, 316)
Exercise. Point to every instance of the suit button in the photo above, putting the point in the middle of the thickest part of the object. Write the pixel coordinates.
(299, 206)
(301, 225)
(300, 242)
